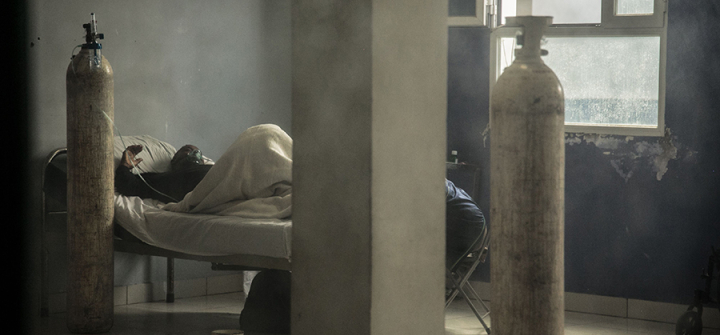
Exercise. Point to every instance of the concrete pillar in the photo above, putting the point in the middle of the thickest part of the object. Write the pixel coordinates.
(369, 109)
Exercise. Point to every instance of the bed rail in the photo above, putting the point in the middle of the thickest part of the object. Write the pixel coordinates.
(44, 252)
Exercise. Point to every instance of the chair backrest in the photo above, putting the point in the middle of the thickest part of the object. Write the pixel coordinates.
(477, 251)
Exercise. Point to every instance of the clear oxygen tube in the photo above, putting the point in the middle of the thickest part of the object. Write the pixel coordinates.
(117, 130)
(95, 62)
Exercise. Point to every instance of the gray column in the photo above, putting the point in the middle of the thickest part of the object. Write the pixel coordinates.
(369, 109)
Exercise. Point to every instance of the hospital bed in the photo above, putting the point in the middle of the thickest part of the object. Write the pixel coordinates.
(142, 227)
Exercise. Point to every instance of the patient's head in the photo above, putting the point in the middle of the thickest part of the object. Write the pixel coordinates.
(188, 156)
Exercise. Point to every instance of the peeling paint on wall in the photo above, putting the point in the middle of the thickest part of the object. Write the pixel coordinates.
(624, 170)
(669, 151)
(485, 135)
(627, 154)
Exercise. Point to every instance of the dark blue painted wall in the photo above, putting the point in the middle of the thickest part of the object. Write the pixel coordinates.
(627, 234)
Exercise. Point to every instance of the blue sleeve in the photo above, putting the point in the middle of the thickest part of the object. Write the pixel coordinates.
(459, 205)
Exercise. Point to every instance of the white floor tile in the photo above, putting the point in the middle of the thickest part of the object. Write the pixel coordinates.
(458, 331)
(574, 318)
(651, 327)
(188, 316)
(459, 319)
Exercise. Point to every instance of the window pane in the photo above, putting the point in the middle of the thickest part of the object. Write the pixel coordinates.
(634, 7)
(607, 80)
(569, 11)
(462, 8)
(507, 8)
(506, 52)
(562, 11)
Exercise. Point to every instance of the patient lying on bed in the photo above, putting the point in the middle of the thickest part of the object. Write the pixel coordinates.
(187, 170)
(252, 179)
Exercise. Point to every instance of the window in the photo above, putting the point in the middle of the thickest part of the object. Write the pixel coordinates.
(471, 13)
(609, 56)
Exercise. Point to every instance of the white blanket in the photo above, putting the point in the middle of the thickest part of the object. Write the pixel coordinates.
(203, 234)
(252, 179)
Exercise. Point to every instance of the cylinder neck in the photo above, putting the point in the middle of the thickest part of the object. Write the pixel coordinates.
(532, 31)
(527, 55)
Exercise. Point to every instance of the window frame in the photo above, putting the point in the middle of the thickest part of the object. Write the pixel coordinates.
(481, 18)
(616, 28)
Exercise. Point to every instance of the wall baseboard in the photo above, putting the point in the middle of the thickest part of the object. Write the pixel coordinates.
(149, 292)
(620, 307)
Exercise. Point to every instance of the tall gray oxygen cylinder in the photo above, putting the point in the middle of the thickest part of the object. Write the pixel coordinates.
(90, 109)
(527, 158)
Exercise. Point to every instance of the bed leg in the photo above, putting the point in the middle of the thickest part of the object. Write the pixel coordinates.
(170, 280)
(44, 285)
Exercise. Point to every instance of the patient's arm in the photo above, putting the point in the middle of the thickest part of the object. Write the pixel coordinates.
(129, 184)
(128, 157)
(126, 182)
(175, 184)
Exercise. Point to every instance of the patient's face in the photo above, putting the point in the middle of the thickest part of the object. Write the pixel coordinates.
(179, 160)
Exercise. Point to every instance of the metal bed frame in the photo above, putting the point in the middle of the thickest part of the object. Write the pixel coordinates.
(135, 246)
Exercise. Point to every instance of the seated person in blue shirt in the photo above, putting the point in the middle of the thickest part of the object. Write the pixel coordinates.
(463, 222)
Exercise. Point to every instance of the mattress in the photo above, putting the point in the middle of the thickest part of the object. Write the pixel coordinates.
(202, 234)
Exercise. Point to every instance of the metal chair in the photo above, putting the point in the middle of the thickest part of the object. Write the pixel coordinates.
(459, 272)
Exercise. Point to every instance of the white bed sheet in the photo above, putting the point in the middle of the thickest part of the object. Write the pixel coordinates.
(202, 234)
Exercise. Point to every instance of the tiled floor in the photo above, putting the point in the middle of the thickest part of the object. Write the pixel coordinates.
(188, 316)
(203, 315)
(460, 320)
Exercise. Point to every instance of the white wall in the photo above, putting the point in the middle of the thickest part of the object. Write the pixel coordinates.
(185, 71)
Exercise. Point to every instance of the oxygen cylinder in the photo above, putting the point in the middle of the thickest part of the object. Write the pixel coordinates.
(90, 210)
(527, 157)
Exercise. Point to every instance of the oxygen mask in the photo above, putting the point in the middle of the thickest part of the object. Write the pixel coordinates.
(195, 157)
(192, 158)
